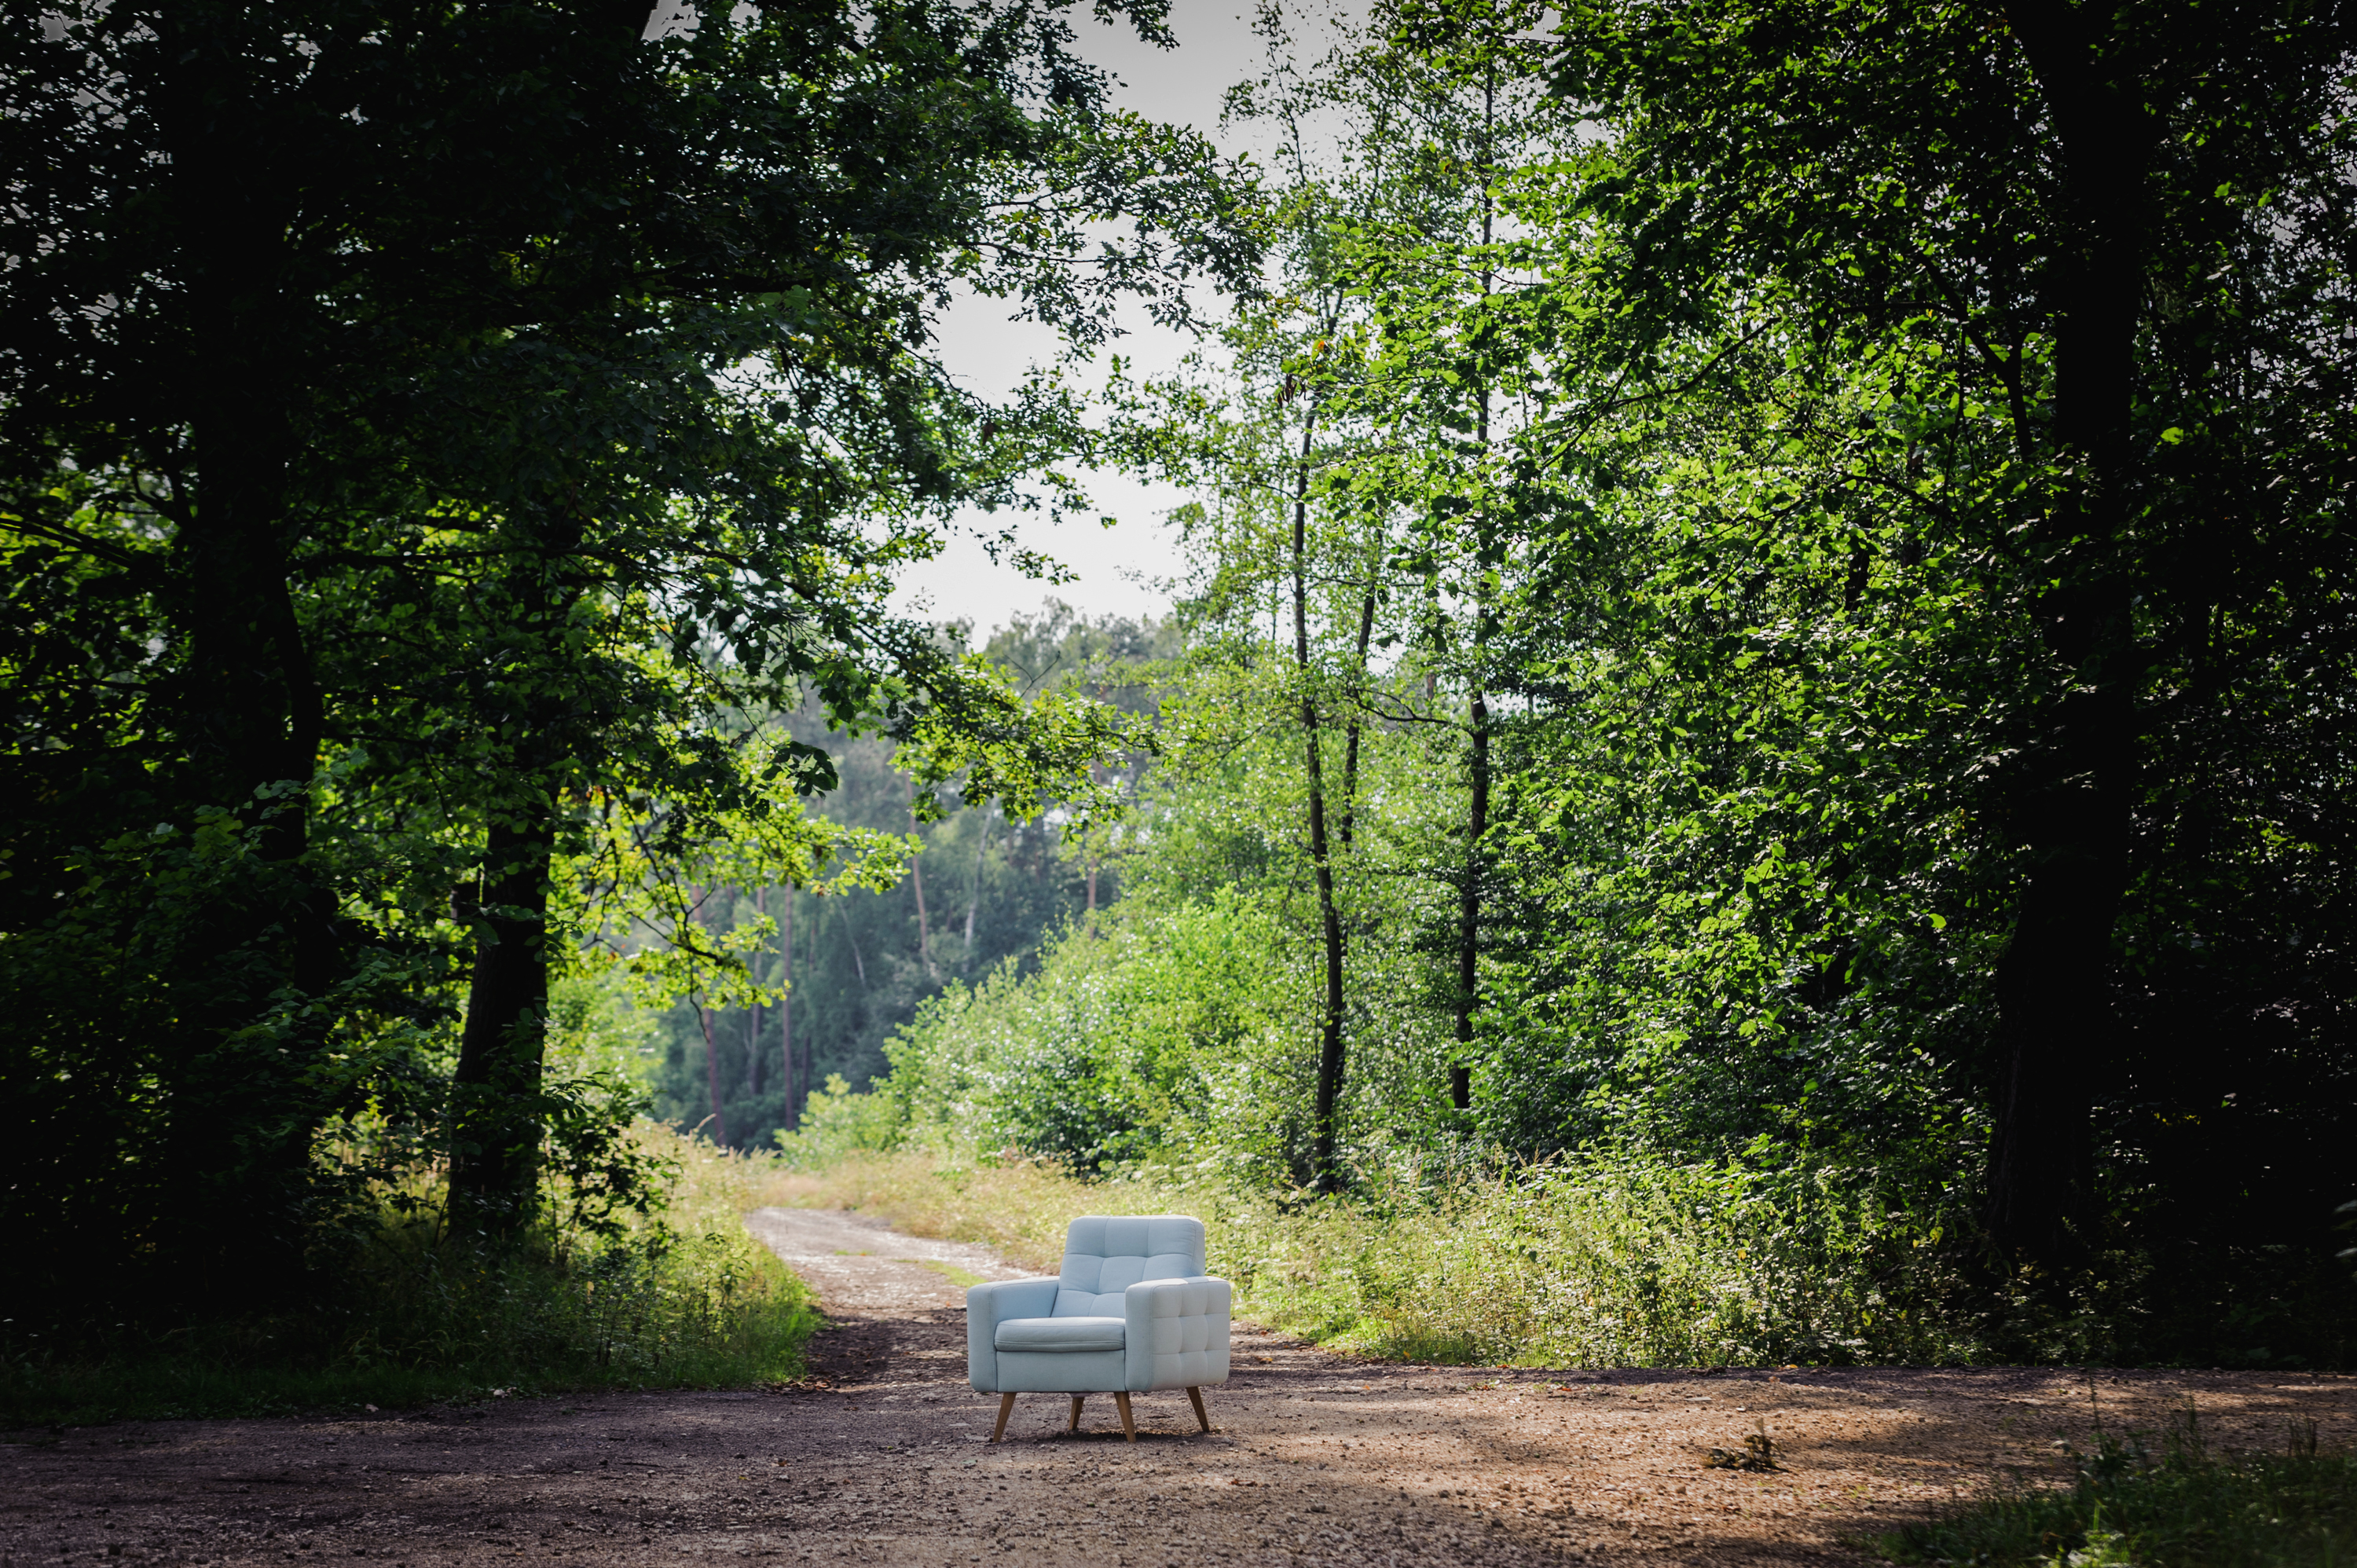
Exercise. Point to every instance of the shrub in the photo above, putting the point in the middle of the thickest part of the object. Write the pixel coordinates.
(2188, 1508)
(1588, 1262)
(675, 1293)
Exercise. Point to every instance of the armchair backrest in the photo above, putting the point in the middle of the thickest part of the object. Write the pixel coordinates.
(1106, 1254)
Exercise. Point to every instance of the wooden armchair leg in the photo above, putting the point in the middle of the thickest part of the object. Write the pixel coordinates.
(1006, 1407)
(1128, 1423)
(1076, 1413)
(1197, 1395)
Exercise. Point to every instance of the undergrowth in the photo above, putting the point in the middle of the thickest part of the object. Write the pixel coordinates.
(1569, 1264)
(2187, 1507)
(676, 1296)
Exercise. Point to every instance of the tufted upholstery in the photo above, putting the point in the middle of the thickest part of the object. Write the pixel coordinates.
(1103, 1256)
(1131, 1311)
(1176, 1332)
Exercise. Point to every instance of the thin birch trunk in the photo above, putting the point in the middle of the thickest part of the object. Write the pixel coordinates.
(712, 1077)
(753, 1010)
(917, 879)
(974, 905)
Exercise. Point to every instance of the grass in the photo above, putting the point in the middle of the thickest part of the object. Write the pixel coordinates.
(2187, 1508)
(1567, 1265)
(685, 1300)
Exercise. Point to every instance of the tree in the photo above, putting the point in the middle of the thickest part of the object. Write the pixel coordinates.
(1350, 463)
(2057, 215)
(484, 404)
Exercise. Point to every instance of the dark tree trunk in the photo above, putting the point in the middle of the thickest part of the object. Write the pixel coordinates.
(495, 1158)
(2076, 791)
(245, 711)
(1330, 1060)
(1477, 813)
(1469, 903)
(495, 1152)
(252, 713)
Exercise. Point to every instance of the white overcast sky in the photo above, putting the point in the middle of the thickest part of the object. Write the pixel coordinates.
(1121, 569)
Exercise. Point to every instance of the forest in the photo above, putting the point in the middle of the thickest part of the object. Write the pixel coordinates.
(1753, 744)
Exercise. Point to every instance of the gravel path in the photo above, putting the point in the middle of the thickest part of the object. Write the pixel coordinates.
(880, 1458)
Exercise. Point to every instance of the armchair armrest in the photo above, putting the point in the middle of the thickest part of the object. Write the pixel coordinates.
(1176, 1333)
(986, 1306)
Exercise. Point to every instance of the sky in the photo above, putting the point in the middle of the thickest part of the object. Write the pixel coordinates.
(1123, 570)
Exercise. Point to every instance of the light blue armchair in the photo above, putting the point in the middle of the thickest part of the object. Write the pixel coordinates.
(1133, 1311)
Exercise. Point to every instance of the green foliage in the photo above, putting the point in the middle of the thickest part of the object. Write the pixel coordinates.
(595, 1031)
(123, 1161)
(2187, 1506)
(1613, 1261)
(1668, 638)
(1147, 1031)
(640, 1279)
(434, 446)
(1878, 663)
(1748, 752)
(1594, 1262)
(837, 1121)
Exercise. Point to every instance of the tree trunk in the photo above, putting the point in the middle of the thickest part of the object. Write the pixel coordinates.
(2075, 791)
(753, 1056)
(712, 1077)
(252, 715)
(1468, 904)
(916, 879)
(851, 939)
(786, 1013)
(974, 903)
(495, 1158)
(1330, 1059)
(242, 1103)
(1351, 732)
(1477, 811)
(495, 1151)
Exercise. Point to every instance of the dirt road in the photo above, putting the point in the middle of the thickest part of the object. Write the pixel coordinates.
(1317, 1459)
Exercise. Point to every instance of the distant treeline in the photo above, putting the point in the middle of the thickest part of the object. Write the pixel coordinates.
(988, 891)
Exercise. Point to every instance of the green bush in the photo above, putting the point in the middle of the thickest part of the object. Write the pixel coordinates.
(2190, 1508)
(835, 1121)
(1163, 1027)
(1613, 1261)
(1592, 1262)
(673, 1294)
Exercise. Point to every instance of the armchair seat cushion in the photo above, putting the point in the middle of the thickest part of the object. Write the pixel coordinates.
(1061, 1333)
(1062, 1371)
